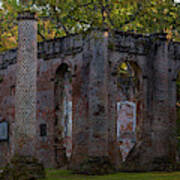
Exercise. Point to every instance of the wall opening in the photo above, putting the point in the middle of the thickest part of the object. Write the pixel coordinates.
(63, 115)
(43, 130)
(128, 106)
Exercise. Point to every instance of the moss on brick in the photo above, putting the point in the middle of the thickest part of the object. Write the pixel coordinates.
(96, 166)
(23, 168)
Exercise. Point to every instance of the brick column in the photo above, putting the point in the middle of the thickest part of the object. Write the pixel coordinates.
(25, 97)
(163, 125)
(90, 120)
(98, 97)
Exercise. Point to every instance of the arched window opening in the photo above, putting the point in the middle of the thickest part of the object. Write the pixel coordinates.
(128, 105)
(128, 80)
(63, 114)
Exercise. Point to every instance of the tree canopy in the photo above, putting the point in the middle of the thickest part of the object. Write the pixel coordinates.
(58, 18)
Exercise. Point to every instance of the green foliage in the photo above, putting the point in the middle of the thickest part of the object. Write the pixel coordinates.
(62, 17)
(67, 175)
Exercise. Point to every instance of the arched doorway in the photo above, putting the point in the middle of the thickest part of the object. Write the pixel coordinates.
(63, 114)
(129, 93)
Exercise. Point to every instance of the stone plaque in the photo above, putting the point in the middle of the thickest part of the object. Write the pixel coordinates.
(126, 126)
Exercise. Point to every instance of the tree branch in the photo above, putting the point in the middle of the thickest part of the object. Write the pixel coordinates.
(39, 33)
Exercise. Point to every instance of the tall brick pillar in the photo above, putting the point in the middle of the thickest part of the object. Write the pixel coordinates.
(25, 97)
(24, 130)
(90, 123)
(164, 121)
(98, 97)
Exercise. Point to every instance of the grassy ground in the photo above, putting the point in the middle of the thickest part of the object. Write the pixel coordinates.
(67, 175)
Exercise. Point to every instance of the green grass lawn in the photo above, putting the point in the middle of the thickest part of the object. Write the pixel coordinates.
(67, 175)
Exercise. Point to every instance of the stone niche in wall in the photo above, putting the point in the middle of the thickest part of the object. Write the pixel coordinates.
(63, 114)
(128, 98)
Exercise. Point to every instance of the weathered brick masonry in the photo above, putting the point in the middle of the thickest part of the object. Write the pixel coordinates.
(24, 130)
(93, 61)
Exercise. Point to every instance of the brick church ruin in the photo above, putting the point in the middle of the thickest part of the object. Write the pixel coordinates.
(101, 98)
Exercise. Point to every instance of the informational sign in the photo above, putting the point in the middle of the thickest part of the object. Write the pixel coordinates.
(126, 126)
(3, 131)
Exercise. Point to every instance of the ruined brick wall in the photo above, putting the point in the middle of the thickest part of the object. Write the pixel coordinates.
(51, 55)
(133, 49)
(93, 62)
(7, 100)
(155, 132)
